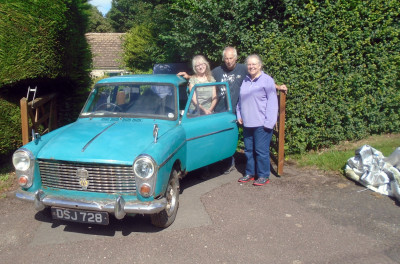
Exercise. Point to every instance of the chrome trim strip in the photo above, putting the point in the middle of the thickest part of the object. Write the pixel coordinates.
(90, 141)
(95, 204)
(189, 139)
(209, 134)
(171, 155)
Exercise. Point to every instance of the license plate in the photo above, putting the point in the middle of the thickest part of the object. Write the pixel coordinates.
(99, 218)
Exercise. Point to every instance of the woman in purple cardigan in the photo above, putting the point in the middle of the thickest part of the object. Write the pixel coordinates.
(257, 111)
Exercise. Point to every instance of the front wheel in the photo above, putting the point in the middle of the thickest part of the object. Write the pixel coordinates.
(167, 216)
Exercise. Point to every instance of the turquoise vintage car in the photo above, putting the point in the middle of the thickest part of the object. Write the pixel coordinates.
(135, 138)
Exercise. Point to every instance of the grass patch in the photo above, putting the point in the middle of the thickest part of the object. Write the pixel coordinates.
(335, 158)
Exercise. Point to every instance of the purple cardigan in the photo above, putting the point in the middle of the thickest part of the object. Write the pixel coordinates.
(258, 102)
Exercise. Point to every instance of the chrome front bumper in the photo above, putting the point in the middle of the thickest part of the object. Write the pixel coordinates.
(119, 207)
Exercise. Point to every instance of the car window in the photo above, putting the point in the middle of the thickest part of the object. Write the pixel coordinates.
(207, 100)
(222, 99)
(136, 100)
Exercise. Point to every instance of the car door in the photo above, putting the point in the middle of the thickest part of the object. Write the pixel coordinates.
(210, 137)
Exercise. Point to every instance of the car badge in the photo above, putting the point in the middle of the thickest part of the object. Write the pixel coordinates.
(83, 176)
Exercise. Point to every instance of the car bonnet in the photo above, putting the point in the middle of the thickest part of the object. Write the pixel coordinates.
(104, 141)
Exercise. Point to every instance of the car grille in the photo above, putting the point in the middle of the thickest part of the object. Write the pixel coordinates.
(102, 178)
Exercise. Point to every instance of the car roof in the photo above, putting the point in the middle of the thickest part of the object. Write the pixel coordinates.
(145, 78)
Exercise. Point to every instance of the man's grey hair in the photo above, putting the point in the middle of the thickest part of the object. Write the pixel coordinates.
(229, 48)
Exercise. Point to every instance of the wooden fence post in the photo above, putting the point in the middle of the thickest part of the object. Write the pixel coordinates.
(281, 129)
(278, 144)
(24, 120)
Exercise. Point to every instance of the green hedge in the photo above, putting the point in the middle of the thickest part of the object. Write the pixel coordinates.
(10, 129)
(43, 44)
(340, 59)
(43, 39)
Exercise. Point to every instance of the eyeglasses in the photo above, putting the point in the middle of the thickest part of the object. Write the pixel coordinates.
(199, 65)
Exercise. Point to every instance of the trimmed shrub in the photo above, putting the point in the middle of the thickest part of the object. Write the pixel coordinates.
(42, 43)
(340, 59)
(10, 129)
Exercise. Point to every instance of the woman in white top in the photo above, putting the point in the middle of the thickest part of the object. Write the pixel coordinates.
(206, 96)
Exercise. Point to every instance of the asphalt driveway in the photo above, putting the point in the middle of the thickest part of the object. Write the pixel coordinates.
(305, 216)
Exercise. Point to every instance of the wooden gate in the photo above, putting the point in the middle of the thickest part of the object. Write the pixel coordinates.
(39, 114)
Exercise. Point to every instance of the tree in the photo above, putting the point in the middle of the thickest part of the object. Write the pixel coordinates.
(98, 23)
(206, 27)
(144, 22)
(139, 44)
(125, 14)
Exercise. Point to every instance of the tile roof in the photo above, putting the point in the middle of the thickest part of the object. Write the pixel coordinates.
(106, 49)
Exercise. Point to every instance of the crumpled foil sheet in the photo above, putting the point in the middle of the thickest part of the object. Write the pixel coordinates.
(370, 168)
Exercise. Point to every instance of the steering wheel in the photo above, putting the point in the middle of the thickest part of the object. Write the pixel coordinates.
(109, 107)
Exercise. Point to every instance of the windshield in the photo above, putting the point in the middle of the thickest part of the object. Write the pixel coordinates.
(132, 100)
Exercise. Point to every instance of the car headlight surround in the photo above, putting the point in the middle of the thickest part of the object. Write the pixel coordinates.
(22, 159)
(145, 170)
(144, 167)
(24, 163)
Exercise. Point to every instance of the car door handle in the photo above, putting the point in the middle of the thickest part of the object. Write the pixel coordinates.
(234, 121)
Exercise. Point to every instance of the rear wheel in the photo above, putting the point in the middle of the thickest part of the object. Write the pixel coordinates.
(167, 216)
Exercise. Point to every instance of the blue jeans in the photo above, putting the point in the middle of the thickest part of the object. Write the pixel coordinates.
(256, 148)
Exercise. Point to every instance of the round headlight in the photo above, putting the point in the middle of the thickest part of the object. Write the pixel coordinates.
(143, 167)
(21, 160)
